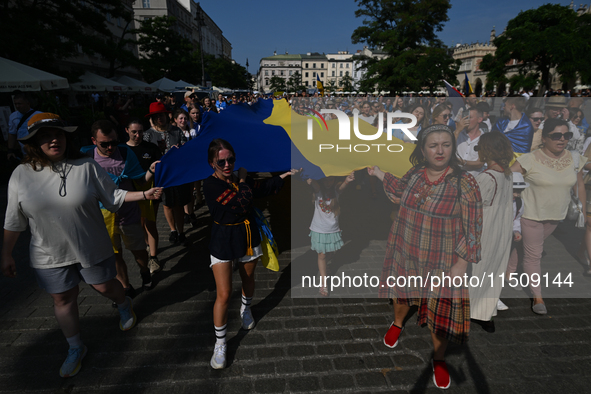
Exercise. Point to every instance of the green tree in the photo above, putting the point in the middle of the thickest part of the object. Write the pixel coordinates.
(226, 74)
(165, 53)
(331, 85)
(277, 83)
(294, 83)
(549, 37)
(39, 33)
(406, 31)
(346, 83)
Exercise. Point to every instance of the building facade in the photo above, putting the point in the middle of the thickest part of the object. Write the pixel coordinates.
(283, 66)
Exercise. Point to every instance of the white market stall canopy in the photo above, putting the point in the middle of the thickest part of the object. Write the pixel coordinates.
(15, 76)
(134, 85)
(164, 85)
(180, 85)
(90, 82)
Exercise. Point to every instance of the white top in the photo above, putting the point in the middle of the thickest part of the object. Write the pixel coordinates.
(465, 150)
(64, 230)
(517, 216)
(511, 125)
(324, 220)
(496, 190)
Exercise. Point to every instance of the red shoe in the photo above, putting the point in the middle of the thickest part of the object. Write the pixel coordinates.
(391, 337)
(440, 374)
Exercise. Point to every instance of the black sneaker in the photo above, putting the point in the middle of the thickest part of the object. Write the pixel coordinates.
(193, 220)
(146, 280)
(182, 240)
(174, 237)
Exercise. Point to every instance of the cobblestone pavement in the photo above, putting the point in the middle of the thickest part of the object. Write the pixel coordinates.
(298, 345)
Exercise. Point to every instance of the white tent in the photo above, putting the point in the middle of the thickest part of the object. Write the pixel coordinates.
(134, 85)
(15, 76)
(180, 85)
(90, 82)
(164, 85)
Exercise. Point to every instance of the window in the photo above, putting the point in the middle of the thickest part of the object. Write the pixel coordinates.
(281, 72)
(306, 75)
(334, 65)
(306, 65)
(466, 65)
(313, 75)
(146, 3)
(333, 73)
(347, 65)
(290, 72)
(313, 65)
(266, 72)
(341, 65)
(321, 65)
(272, 72)
(346, 72)
(266, 82)
(321, 75)
(340, 73)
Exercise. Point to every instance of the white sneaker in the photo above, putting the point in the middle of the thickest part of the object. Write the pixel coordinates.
(247, 319)
(218, 360)
(501, 306)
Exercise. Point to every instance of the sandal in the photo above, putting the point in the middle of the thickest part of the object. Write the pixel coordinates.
(323, 291)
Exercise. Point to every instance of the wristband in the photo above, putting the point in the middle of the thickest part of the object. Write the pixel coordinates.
(150, 171)
(144, 193)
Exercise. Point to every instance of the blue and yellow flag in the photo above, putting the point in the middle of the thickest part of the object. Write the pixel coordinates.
(269, 137)
(319, 85)
(467, 86)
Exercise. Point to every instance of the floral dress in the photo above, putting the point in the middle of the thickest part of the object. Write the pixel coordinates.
(436, 224)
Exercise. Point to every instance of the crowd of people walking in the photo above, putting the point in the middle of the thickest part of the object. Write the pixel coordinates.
(480, 187)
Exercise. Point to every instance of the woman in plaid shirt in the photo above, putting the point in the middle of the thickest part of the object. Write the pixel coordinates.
(436, 234)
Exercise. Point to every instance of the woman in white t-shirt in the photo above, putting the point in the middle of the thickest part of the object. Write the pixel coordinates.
(325, 232)
(56, 192)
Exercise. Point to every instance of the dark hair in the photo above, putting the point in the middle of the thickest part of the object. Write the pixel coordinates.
(497, 147)
(179, 112)
(216, 146)
(572, 112)
(551, 124)
(21, 96)
(533, 110)
(36, 158)
(105, 126)
(417, 159)
(484, 107)
(330, 192)
(425, 121)
(133, 121)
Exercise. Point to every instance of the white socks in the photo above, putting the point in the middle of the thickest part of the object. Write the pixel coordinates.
(75, 341)
(245, 303)
(220, 334)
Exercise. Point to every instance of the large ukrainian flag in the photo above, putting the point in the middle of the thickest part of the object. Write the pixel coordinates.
(269, 137)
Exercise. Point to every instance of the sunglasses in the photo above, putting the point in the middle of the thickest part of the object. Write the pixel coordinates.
(109, 143)
(476, 148)
(537, 119)
(557, 136)
(222, 162)
(446, 116)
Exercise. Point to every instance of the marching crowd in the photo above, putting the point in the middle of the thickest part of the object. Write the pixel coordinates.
(481, 186)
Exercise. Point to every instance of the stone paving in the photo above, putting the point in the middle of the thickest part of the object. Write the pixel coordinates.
(299, 344)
